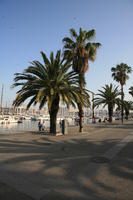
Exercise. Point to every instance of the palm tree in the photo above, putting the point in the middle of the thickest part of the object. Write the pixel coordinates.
(49, 83)
(131, 91)
(120, 74)
(127, 105)
(78, 49)
(107, 97)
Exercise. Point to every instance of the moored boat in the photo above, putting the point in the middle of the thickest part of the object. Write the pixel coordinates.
(9, 119)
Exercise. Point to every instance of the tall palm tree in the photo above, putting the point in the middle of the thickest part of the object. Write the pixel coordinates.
(49, 83)
(79, 49)
(107, 97)
(131, 91)
(120, 74)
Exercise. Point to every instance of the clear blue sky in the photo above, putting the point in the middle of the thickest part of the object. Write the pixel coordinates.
(29, 26)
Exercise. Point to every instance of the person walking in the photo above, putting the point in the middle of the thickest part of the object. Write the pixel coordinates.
(43, 125)
(39, 126)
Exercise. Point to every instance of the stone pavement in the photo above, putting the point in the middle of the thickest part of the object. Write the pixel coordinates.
(9, 193)
(96, 165)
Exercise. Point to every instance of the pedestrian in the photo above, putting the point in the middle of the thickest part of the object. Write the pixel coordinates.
(99, 120)
(76, 121)
(60, 124)
(39, 126)
(43, 125)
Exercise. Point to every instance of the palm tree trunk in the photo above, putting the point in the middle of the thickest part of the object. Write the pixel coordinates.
(80, 106)
(110, 111)
(53, 115)
(81, 116)
(122, 97)
(127, 114)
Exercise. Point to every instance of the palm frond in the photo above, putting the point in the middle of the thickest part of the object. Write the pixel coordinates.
(73, 33)
(90, 34)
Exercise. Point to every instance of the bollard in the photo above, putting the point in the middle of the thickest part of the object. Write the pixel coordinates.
(64, 127)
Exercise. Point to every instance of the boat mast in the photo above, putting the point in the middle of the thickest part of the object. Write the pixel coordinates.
(2, 99)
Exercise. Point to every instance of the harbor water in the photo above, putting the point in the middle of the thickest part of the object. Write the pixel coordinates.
(26, 125)
(29, 125)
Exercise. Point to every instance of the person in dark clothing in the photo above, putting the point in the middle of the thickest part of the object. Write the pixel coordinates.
(39, 126)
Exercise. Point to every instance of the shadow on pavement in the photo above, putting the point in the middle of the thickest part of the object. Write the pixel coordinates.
(65, 168)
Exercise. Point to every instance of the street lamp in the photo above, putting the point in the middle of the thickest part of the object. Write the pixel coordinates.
(2, 99)
(93, 114)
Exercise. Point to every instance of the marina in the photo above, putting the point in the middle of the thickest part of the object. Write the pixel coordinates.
(26, 125)
(29, 124)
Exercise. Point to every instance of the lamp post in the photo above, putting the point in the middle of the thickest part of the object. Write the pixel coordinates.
(2, 99)
(93, 114)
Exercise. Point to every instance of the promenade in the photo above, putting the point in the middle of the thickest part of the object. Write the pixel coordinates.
(94, 165)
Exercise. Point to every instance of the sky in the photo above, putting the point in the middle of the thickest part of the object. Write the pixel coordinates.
(30, 26)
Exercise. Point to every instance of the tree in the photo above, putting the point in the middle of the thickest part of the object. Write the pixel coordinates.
(49, 83)
(107, 97)
(127, 105)
(131, 91)
(78, 49)
(120, 74)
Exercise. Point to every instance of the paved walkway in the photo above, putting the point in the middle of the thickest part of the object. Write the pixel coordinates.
(96, 165)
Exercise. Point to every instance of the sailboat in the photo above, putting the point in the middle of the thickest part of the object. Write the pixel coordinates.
(6, 119)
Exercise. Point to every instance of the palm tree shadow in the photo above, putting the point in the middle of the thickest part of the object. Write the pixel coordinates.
(65, 166)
